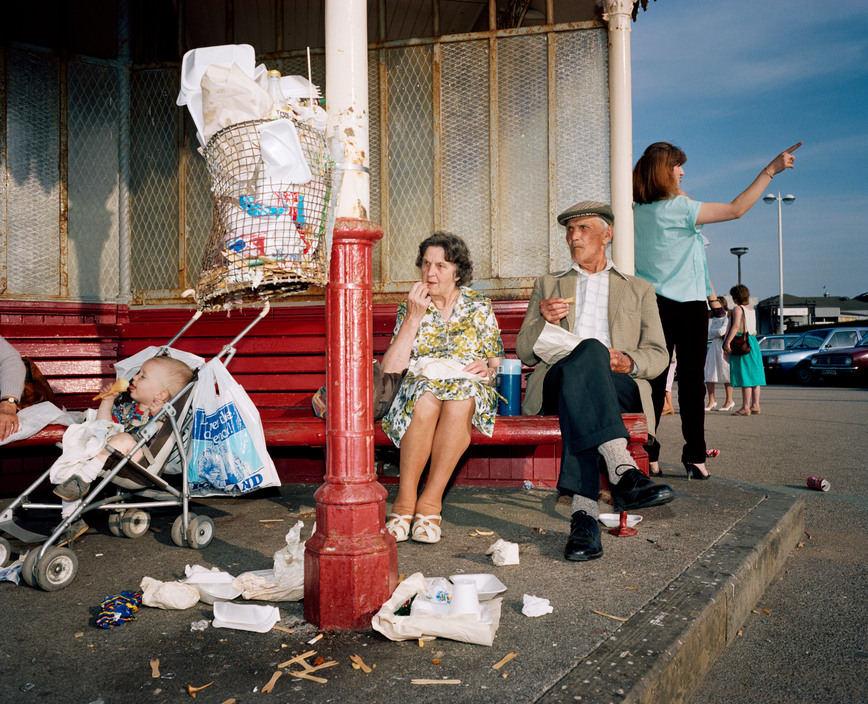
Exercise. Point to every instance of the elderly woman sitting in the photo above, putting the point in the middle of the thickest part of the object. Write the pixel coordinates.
(447, 338)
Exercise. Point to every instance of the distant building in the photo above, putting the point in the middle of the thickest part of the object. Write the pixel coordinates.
(812, 310)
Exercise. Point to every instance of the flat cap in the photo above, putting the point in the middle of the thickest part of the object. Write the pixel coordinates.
(587, 207)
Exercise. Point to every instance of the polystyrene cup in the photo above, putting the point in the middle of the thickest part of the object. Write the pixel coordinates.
(465, 599)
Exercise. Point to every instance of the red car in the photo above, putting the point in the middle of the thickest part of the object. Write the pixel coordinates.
(848, 363)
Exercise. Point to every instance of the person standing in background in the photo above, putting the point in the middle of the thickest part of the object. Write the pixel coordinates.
(716, 362)
(670, 253)
(746, 370)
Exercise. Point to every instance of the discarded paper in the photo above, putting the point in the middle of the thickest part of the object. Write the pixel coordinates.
(536, 606)
(503, 553)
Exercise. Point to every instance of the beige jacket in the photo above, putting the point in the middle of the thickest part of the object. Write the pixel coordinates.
(634, 328)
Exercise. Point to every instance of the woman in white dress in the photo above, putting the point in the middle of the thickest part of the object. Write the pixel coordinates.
(716, 362)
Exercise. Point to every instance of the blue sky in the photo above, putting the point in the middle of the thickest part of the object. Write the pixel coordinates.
(733, 83)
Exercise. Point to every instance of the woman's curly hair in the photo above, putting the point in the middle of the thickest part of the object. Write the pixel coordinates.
(455, 252)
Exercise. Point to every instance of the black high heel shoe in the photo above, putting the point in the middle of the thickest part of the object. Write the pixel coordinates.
(693, 472)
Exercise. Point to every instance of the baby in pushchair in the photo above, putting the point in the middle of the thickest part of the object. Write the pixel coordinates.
(116, 424)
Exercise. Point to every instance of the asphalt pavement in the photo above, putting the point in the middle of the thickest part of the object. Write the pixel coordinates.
(750, 578)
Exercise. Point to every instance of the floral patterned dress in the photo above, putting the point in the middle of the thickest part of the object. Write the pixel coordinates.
(471, 333)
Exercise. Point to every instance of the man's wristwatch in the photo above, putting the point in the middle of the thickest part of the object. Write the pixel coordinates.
(10, 399)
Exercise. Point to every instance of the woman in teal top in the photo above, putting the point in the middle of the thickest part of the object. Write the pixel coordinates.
(670, 253)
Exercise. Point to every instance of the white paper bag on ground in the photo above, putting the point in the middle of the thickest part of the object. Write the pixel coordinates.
(536, 606)
(213, 585)
(34, 418)
(554, 343)
(168, 595)
(503, 553)
(285, 582)
(468, 628)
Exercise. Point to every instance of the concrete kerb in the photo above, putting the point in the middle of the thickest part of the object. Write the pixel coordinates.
(666, 649)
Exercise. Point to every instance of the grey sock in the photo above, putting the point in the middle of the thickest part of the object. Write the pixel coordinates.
(616, 455)
(583, 503)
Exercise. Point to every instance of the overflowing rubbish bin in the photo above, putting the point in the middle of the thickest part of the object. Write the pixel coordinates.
(267, 236)
(262, 136)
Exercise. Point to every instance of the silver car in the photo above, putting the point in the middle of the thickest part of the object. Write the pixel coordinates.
(795, 361)
(769, 344)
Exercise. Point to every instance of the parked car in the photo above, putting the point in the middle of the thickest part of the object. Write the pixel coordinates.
(795, 360)
(847, 364)
(775, 343)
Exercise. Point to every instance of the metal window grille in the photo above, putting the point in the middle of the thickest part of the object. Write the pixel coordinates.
(487, 135)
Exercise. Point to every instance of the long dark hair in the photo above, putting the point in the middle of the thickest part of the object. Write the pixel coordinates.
(455, 252)
(653, 179)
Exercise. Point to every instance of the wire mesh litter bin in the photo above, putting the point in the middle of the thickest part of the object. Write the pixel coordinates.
(267, 238)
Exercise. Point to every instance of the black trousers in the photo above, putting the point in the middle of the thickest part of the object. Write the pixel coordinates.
(685, 326)
(589, 399)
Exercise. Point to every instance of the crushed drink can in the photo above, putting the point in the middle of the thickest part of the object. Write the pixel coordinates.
(818, 483)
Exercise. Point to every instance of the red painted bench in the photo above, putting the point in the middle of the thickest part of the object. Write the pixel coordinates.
(280, 363)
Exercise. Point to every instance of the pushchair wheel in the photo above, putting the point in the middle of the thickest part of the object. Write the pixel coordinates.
(132, 523)
(114, 523)
(135, 523)
(5, 552)
(178, 536)
(55, 570)
(200, 532)
(27, 566)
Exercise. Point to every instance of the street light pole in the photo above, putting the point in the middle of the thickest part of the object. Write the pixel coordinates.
(771, 198)
(739, 252)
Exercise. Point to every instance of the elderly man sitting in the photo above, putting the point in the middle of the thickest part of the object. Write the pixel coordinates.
(622, 345)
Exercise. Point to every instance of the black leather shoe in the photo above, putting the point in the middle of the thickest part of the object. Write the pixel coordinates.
(584, 541)
(634, 490)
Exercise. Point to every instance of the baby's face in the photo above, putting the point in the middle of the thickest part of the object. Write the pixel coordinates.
(149, 384)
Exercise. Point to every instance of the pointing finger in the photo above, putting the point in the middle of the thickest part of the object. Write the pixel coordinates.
(794, 147)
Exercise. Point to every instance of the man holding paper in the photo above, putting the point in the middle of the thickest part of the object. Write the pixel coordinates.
(595, 338)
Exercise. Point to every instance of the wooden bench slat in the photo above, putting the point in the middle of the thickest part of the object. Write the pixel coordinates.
(65, 349)
(75, 367)
(271, 367)
(288, 382)
(208, 348)
(90, 385)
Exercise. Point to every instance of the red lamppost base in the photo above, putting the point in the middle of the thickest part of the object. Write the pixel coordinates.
(350, 562)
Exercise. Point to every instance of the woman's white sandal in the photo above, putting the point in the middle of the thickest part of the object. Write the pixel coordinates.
(424, 531)
(398, 526)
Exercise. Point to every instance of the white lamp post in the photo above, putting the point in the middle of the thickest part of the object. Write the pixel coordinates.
(739, 252)
(771, 198)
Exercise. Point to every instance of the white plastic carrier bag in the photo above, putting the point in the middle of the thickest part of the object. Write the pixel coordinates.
(227, 453)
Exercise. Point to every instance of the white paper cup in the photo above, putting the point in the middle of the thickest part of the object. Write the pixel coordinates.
(465, 599)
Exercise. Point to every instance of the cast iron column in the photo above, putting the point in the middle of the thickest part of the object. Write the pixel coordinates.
(350, 562)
